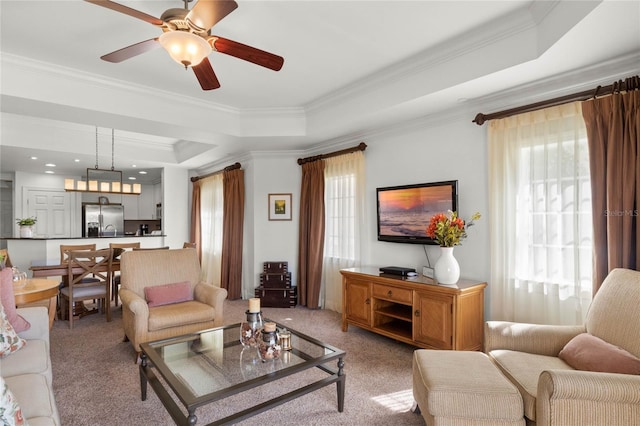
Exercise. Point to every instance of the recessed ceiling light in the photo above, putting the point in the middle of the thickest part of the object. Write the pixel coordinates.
(50, 165)
(142, 172)
(34, 158)
(133, 165)
(77, 160)
(49, 172)
(132, 178)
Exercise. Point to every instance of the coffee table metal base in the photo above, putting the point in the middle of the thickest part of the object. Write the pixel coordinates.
(147, 375)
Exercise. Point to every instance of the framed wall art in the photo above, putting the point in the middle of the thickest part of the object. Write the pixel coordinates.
(280, 206)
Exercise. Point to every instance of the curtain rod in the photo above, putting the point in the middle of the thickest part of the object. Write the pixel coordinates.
(361, 147)
(226, 169)
(629, 84)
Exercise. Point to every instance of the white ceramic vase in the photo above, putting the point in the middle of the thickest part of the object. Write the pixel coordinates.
(447, 269)
(26, 232)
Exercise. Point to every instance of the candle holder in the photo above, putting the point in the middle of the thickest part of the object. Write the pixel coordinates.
(250, 329)
(269, 345)
(285, 339)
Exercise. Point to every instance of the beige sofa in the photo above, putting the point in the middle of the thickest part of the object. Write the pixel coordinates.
(553, 392)
(152, 268)
(27, 372)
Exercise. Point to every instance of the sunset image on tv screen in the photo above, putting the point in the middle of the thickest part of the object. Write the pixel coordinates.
(406, 212)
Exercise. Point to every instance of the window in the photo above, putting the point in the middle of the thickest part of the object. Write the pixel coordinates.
(541, 217)
(344, 220)
(340, 220)
(211, 215)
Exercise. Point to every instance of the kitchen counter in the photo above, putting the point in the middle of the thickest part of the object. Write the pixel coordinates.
(84, 238)
(47, 250)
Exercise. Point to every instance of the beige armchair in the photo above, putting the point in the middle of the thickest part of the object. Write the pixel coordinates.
(553, 392)
(153, 268)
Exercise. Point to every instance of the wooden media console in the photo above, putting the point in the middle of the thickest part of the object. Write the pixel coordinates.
(414, 310)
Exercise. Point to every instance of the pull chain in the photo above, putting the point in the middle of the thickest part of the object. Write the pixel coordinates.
(112, 150)
(96, 147)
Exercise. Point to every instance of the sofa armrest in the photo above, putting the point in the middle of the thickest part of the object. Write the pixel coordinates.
(213, 296)
(531, 338)
(573, 397)
(38, 317)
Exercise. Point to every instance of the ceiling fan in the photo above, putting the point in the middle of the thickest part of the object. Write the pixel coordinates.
(186, 35)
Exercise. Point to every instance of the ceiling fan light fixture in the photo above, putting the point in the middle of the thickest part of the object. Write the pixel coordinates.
(184, 47)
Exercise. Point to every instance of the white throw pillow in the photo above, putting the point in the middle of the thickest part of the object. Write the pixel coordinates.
(10, 412)
(9, 339)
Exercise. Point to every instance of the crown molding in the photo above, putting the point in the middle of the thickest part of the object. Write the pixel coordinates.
(563, 84)
(283, 114)
(499, 29)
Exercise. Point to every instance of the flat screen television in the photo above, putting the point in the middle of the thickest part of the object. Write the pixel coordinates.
(404, 211)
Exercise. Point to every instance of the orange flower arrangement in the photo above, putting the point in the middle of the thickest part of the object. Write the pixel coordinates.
(448, 229)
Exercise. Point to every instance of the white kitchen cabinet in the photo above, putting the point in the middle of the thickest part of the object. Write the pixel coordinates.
(146, 204)
(130, 203)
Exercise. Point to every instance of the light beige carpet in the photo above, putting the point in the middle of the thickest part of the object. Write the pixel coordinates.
(97, 383)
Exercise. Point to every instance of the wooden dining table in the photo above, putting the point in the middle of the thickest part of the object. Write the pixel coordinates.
(40, 269)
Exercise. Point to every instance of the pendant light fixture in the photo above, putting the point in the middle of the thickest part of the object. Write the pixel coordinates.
(103, 180)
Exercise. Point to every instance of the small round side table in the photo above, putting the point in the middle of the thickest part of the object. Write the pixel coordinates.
(37, 289)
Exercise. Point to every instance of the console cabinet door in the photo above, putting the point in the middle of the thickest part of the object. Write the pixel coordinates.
(433, 320)
(358, 302)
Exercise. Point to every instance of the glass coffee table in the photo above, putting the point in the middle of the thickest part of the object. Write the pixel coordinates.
(211, 365)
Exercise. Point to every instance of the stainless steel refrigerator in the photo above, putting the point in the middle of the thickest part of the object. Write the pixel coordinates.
(102, 220)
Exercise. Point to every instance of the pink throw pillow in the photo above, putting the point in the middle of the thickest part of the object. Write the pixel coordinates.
(8, 301)
(168, 293)
(590, 353)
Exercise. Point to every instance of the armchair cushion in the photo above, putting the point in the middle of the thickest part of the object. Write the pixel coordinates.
(590, 353)
(523, 370)
(168, 294)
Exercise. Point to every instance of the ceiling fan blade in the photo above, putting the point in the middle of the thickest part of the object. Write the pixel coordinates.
(131, 51)
(247, 53)
(127, 11)
(206, 13)
(205, 75)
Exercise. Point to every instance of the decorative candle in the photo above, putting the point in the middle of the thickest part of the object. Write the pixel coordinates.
(269, 326)
(254, 305)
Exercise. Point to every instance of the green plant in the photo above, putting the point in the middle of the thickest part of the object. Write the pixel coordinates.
(28, 221)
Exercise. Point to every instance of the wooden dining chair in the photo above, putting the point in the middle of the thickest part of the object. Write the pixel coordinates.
(66, 248)
(83, 264)
(64, 258)
(118, 248)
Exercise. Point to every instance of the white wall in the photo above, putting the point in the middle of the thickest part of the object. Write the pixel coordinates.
(267, 240)
(451, 149)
